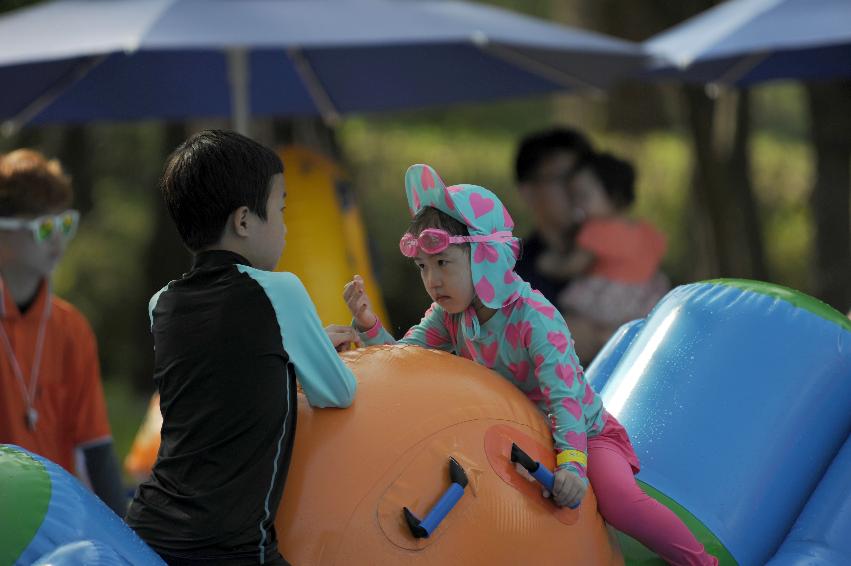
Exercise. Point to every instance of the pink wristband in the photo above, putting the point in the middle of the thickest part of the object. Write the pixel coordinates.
(373, 332)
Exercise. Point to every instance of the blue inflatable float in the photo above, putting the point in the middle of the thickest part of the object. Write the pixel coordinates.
(48, 517)
(737, 397)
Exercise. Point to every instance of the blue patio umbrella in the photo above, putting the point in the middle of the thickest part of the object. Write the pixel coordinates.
(85, 60)
(748, 41)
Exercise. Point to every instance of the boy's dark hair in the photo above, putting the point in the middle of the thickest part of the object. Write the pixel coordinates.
(430, 217)
(209, 176)
(537, 147)
(616, 175)
(30, 184)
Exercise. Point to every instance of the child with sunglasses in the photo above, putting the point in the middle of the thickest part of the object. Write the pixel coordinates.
(461, 241)
(51, 398)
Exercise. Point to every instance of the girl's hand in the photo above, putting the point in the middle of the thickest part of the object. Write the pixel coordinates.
(568, 489)
(354, 293)
(342, 336)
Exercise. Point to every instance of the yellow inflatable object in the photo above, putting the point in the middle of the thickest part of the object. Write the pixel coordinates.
(326, 240)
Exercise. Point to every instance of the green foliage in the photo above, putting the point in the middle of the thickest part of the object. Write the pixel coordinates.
(783, 177)
(776, 110)
(102, 272)
(126, 410)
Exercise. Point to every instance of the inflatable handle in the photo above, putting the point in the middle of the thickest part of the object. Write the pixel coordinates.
(536, 469)
(424, 528)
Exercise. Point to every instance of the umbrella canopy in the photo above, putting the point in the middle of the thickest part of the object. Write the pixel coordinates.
(748, 41)
(82, 60)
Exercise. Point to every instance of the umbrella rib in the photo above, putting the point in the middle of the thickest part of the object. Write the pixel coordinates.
(534, 67)
(11, 126)
(741, 68)
(744, 12)
(314, 86)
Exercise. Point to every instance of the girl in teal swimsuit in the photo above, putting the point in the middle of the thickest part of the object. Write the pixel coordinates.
(461, 241)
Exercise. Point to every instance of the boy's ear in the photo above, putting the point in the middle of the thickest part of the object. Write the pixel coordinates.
(240, 221)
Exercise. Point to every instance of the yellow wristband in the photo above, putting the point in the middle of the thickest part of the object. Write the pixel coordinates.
(572, 456)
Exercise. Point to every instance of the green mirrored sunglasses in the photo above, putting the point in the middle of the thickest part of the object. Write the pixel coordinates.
(45, 227)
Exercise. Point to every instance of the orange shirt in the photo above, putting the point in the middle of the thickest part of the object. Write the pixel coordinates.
(69, 396)
(625, 251)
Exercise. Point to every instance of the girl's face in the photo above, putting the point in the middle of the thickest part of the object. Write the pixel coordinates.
(447, 278)
(589, 196)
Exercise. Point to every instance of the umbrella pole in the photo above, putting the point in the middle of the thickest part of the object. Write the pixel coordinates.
(238, 77)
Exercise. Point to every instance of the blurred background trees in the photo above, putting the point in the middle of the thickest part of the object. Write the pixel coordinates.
(746, 183)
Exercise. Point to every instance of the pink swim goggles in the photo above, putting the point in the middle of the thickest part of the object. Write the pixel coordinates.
(434, 240)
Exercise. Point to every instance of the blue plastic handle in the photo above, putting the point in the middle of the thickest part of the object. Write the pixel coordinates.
(537, 470)
(458, 481)
(544, 477)
(442, 508)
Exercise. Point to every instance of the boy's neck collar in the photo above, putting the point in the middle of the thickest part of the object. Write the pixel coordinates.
(215, 257)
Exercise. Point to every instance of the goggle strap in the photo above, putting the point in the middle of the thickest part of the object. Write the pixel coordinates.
(495, 237)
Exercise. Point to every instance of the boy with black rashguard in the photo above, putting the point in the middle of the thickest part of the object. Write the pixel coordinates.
(231, 338)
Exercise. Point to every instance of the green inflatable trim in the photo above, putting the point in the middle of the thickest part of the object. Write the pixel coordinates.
(636, 554)
(797, 298)
(25, 490)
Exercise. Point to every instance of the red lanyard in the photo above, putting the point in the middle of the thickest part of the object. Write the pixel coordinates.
(28, 393)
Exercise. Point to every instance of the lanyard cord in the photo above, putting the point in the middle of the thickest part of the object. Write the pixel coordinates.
(28, 393)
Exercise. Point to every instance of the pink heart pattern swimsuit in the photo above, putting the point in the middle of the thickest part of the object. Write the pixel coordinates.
(526, 341)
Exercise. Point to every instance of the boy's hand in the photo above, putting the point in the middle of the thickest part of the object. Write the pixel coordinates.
(342, 336)
(354, 293)
(568, 489)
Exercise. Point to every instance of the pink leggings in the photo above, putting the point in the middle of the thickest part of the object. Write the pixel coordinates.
(628, 509)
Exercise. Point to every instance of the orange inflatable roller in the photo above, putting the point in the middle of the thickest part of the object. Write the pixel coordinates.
(353, 471)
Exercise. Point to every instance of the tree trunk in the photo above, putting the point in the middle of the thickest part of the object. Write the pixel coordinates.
(739, 180)
(75, 156)
(711, 253)
(830, 113)
(635, 22)
(166, 259)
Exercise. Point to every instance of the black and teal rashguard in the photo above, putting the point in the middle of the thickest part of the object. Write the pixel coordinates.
(230, 342)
